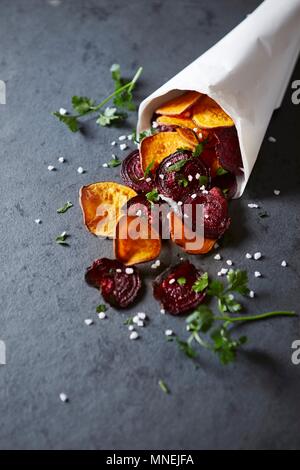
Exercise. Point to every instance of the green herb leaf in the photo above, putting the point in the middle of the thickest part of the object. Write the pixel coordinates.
(137, 138)
(238, 281)
(215, 288)
(64, 208)
(187, 349)
(263, 214)
(177, 166)
(201, 319)
(221, 171)
(101, 308)
(201, 283)
(148, 169)
(82, 104)
(114, 162)
(109, 116)
(116, 75)
(61, 239)
(163, 386)
(153, 195)
(203, 180)
(183, 182)
(181, 281)
(198, 150)
(70, 121)
(128, 321)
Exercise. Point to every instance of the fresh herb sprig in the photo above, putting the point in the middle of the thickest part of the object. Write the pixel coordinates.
(214, 331)
(122, 98)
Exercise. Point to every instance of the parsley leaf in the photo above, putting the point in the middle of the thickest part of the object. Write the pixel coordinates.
(148, 169)
(101, 308)
(221, 171)
(181, 281)
(238, 281)
(203, 180)
(128, 321)
(82, 104)
(188, 350)
(64, 208)
(177, 166)
(109, 116)
(70, 121)
(201, 283)
(61, 239)
(163, 386)
(183, 182)
(153, 195)
(114, 162)
(198, 150)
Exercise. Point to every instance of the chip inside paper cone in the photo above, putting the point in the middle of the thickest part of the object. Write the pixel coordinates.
(183, 236)
(176, 121)
(188, 135)
(180, 104)
(207, 113)
(158, 146)
(136, 241)
(101, 205)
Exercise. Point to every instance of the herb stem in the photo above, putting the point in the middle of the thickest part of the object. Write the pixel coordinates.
(261, 316)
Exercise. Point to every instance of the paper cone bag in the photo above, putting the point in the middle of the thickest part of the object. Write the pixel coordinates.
(246, 73)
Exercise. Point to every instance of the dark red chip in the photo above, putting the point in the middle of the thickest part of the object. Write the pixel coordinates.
(133, 175)
(174, 288)
(228, 149)
(118, 287)
(227, 183)
(179, 174)
(215, 212)
(166, 128)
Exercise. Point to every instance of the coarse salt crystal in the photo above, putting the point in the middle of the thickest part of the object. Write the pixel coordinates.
(131, 328)
(118, 270)
(134, 335)
(253, 206)
(171, 281)
(276, 192)
(284, 264)
(38, 221)
(224, 271)
(123, 147)
(162, 311)
(113, 143)
(179, 203)
(248, 256)
(101, 315)
(251, 294)
(105, 165)
(88, 321)
(169, 332)
(197, 176)
(62, 111)
(130, 137)
(61, 159)
(141, 315)
(272, 139)
(135, 319)
(190, 177)
(80, 170)
(257, 255)
(257, 274)
(51, 167)
(148, 180)
(217, 257)
(63, 397)
(229, 262)
(154, 124)
(122, 137)
(140, 323)
(161, 176)
(138, 212)
(129, 271)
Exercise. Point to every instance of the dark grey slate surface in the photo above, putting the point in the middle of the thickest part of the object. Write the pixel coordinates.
(49, 52)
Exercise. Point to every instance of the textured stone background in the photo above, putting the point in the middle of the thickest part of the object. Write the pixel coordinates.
(50, 50)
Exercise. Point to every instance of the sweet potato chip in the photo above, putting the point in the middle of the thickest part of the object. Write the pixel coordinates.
(185, 238)
(188, 135)
(101, 205)
(207, 113)
(180, 104)
(135, 240)
(176, 121)
(158, 146)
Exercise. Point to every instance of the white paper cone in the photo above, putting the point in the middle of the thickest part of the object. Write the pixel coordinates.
(247, 73)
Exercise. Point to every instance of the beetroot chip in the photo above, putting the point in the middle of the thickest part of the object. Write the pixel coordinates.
(140, 206)
(174, 288)
(133, 175)
(119, 285)
(228, 149)
(227, 183)
(179, 174)
(215, 211)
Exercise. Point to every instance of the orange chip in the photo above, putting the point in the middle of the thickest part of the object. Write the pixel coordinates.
(135, 240)
(101, 205)
(176, 121)
(180, 104)
(188, 135)
(183, 236)
(159, 146)
(207, 113)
